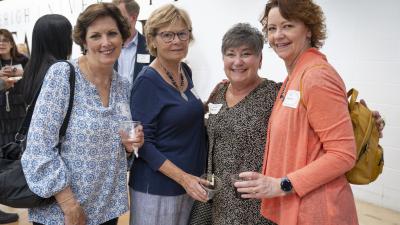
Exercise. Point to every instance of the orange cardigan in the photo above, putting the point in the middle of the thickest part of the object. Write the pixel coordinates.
(313, 145)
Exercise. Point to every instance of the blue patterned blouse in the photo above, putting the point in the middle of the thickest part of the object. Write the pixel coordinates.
(92, 160)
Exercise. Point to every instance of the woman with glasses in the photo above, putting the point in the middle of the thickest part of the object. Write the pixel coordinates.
(164, 179)
(12, 104)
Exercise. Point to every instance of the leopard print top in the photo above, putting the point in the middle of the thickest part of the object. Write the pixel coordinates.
(237, 137)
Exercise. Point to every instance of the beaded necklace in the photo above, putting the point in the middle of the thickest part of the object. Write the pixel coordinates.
(180, 88)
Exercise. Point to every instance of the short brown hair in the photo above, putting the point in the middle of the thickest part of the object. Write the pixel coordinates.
(161, 17)
(131, 6)
(93, 12)
(305, 11)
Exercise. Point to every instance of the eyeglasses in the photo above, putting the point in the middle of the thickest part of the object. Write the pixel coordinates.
(5, 40)
(168, 36)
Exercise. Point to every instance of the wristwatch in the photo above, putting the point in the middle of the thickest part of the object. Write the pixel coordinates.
(286, 185)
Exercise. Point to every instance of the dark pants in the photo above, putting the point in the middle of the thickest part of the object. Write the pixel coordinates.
(110, 222)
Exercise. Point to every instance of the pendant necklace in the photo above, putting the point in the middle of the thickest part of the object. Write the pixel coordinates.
(169, 74)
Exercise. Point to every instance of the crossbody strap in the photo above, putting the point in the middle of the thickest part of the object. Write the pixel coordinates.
(21, 135)
(301, 81)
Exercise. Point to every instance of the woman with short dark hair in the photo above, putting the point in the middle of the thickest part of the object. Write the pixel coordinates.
(87, 176)
(237, 121)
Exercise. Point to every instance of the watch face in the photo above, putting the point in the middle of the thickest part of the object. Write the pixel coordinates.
(286, 185)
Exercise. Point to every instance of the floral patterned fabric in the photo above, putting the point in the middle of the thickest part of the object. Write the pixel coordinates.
(91, 161)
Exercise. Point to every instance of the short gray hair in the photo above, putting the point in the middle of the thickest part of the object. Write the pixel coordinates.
(243, 34)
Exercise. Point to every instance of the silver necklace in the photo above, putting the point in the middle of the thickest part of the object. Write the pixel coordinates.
(180, 89)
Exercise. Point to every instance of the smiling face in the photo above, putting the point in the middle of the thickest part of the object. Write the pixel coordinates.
(103, 41)
(5, 47)
(288, 38)
(241, 65)
(175, 50)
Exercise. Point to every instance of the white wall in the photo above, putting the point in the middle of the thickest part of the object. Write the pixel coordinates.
(363, 45)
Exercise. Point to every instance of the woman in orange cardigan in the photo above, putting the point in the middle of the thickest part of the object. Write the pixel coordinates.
(311, 142)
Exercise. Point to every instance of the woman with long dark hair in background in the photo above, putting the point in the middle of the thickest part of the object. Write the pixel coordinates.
(51, 41)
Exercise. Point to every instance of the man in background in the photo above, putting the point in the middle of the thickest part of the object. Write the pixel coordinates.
(134, 54)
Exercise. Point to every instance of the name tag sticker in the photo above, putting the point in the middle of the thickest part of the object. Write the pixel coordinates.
(143, 58)
(214, 108)
(292, 99)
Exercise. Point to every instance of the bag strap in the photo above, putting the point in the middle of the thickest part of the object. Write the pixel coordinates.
(65, 123)
(23, 130)
(354, 94)
(301, 81)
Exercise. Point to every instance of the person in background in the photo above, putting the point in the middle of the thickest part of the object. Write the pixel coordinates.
(51, 41)
(6, 83)
(88, 176)
(310, 143)
(164, 179)
(12, 105)
(134, 48)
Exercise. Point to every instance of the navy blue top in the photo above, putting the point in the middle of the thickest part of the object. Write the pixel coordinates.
(173, 128)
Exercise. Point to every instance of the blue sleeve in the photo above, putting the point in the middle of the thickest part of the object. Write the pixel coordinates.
(44, 169)
(146, 107)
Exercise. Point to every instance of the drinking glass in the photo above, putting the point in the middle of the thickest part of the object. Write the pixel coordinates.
(127, 130)
(235, 178)
(213, 186)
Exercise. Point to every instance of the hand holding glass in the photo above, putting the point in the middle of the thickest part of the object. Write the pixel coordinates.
(128, 130)
(212, 186)
(235, 178)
